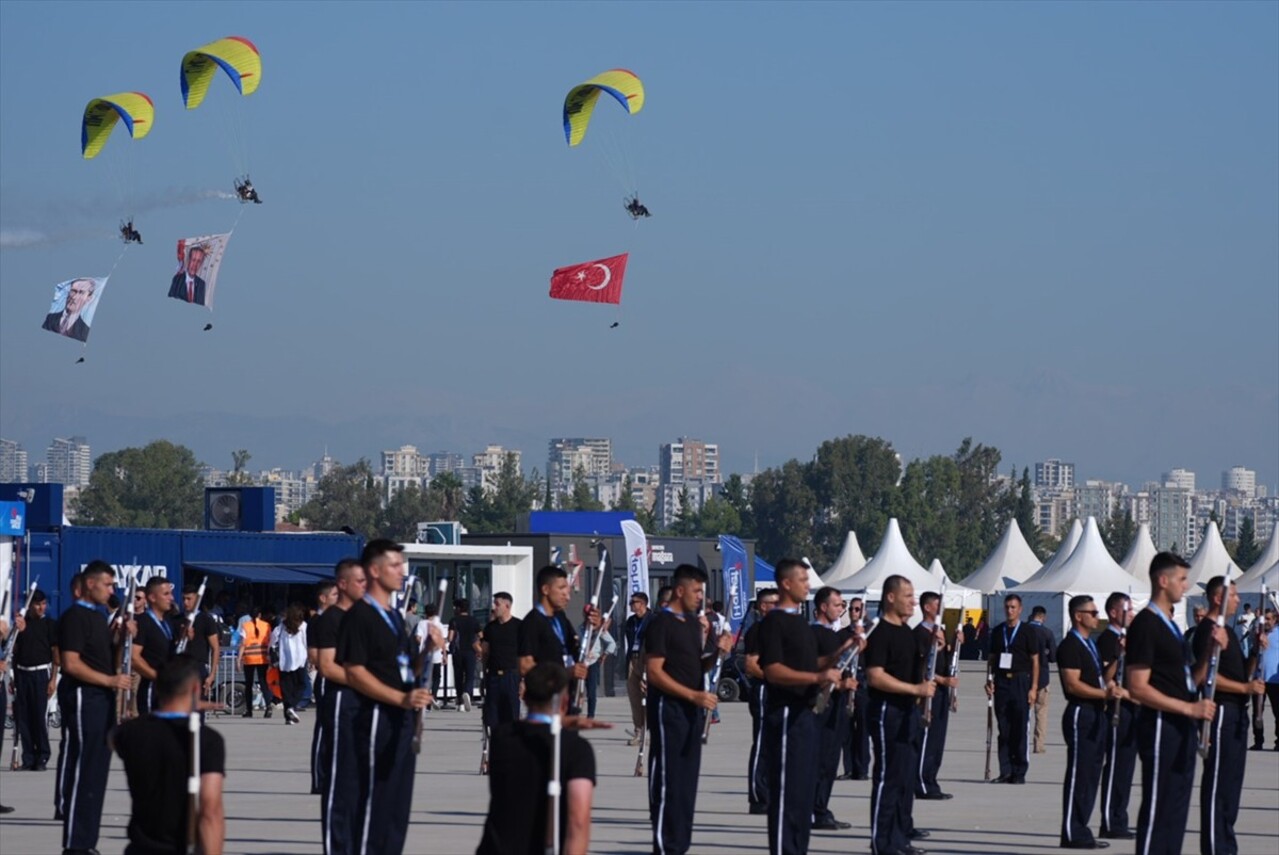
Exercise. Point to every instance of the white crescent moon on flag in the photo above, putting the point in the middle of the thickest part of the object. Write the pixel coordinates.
(608, 277)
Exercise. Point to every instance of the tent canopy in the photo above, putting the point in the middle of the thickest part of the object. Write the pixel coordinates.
(1011, 562)
(1137, 561)
(893, 558)
(1210, 559)
(850, 560)
(1068, 545)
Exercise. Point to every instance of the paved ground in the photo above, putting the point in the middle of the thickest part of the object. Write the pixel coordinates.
(269, 810)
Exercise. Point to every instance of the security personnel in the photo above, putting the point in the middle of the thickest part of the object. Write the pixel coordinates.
(676, 704)
(86, 695)
(857, 740)
(1084, 722)
(1121, 738)
(1228, 752)
(156, 639)
(500, 652)
(1160, 679)
(35, 663)
(933, 741)
(377, 654)
(895, 665)
(756, 770)
(794, 675)
(632, 640)
(832, 720)
(322, 642)
(1014, 662)
(253, 660)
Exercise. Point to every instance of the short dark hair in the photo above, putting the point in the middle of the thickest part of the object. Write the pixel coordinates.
(502, 595)
(343, 568)
(787, 567)
(96, 568)
(461, 606)
(717, 606)
(1008, 599)
(323, 586)
(430, 610)
(1165, 562)
(1215, 584)
(156, 582)
(688, 573)
(190, 589)
(823, 594)
(766, 592)
(548, 574)
(641, 596)
(1077, 603)
(38, 597)
(375, 549)
(664, 593)
(1114, 600)
(1040, 610)
(894, 583)
(855, 600)
(176, 676)
(928, 598)
(77, 581)
(544, 681)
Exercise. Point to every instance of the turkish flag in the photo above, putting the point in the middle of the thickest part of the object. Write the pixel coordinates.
(592, 281)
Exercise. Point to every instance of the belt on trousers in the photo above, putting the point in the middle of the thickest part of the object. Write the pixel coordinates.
(1008, 675)
(498, 673)
(44, 667)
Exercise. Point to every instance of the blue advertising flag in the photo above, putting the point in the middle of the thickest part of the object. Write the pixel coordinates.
(733, 554)
(13, 519)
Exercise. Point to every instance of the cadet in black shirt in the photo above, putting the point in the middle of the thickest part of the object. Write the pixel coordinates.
(676, 701)
(156, 750)
(464, 632)
(375, 650)
(794, 674)
(546, 633)
(86, 695)
(1160, 679)
(756, 770)
(1228, 750)
(203, 645)
(1014, 662)
(895, 670)
(1083, 723)
(500, 649)
(521, 764)
(35, 663)
(933, 744)
(156, 639)
(1121, 738)
(832, 720)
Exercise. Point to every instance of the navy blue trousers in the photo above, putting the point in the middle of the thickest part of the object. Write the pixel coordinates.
(88, 712)
(1168, 745)
(1116, 775)
(1223, 778)
(932, 744)
(1084, 729)
(1012, 712)
(894, 734)
(674, 762)
(790, 756)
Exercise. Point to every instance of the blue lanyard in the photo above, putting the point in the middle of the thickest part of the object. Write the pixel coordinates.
(1185, 655)
(1092, 651)
(555, 628)
(1008, 642)
(679, 616)
(164, 627)
(395, 630)
(172, 716)
(823, 625)
(539, 718)
(102, 610)
(793, 611)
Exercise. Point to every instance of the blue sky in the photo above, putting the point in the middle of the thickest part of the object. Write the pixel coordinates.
(1054, 227)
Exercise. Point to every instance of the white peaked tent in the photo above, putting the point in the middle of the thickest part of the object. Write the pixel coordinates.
(892, 558)
(957, 596)
(1137, 561)
(814, 580)
(1063, 552)
(850, 560)
(1012, 562)
(1250, 584)
(1268, 559)
(1088, 570)
(1210, 559)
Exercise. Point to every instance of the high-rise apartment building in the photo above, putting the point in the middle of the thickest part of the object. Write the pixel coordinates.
(1183, 479)
(565, 455)
(1053, 474)
(489, 462)
(1096, 499)
(1240, 480)
(439, 462)
(1172, 520)
(689, 460)
(404, 462)
(13, 461)
(70, 462)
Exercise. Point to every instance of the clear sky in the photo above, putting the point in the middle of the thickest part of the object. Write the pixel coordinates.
(1054, 227)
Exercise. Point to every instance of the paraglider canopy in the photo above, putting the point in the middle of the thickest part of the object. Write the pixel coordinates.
(101, 115)
(235, 55)
(579, 104)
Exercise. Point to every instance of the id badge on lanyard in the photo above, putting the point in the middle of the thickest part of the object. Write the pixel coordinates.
(406, 672)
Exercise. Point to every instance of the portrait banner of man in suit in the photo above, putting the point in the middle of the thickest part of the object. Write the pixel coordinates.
(197, 276)
(74, 303)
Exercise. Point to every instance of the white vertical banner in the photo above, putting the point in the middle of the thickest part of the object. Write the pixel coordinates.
(636, 557)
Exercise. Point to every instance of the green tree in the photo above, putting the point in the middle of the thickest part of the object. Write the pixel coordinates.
(583, 498)
(1027, 518)
(1247, 551)
(927, 507)
(158, 486)
(784, 507)
(239, 475)
(625, 498)
(718, 516)
(408, 507)
(496, 511)
(853, 480)
(979, 504)
(685, 524)
(1118, 532)
(346, 497)
(448, 491)
(737, 495)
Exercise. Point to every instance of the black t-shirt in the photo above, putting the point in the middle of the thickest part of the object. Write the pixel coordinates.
(198, 648)
(1152, 644)
(786, 638)
(897, 649)
(677, 639)
(157, 760)
(85, 631)
(155, 639)
(1022, 640)
(1076, 655)
(503, 640)
(322, 633)
(750, 642)
(34, 645)
(538, 639)
(1107, 648)
(519, 767)
(380, 644)
(467, 629)
(925, 639)
(1229, 664)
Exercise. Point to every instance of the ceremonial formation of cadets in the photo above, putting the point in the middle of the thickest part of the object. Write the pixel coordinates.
(819, 687)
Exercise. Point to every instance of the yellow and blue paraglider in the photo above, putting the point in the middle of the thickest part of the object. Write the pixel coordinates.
(101, 115)
(235, 55)
(579, 104)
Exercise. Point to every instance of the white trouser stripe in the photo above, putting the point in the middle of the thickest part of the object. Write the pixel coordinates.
(1110, 777)
(661, 799)
(923, 750)
(333, 776)
(879, 788)
(1216, 780)
(1074, 768)
(781, 794)
(69, 814)
(1154, 786)
(368, 803)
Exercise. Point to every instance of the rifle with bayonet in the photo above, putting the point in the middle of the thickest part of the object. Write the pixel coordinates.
(199, 598)
(124, 697)
(590, 635)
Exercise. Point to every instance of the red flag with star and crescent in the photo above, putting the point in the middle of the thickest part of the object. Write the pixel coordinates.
(592, 281)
